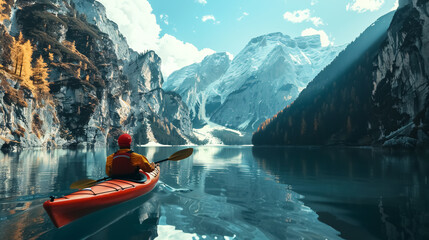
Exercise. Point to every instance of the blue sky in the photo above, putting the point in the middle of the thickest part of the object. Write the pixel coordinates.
(184, 31)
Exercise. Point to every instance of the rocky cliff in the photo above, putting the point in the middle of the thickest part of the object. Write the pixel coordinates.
(374, 93)
(400, 91)
(99, 87)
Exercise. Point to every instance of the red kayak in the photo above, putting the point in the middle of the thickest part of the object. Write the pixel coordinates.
(66, 209)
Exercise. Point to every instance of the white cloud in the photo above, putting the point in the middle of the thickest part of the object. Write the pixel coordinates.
(242, 16)
(314, 2)
(395, 5)
(204, 2)
(317, 21)
(176, 54)
(297, 16)
(301, 16)
(135, 21)
(209, 18)
(138, 24)
(324, 39)
(361, 6)
(164, 18)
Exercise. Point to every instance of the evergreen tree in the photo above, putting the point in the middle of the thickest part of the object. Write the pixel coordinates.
(21, 53)
(3, 16)
(16, 52)
(40, 75)
(77, 73)
(26, 70)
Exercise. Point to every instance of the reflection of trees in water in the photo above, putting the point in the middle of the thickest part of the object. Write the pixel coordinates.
(7, 176)
(387, 192)
(30, 224)
(30, 176)
(27, 173)
(349, 164)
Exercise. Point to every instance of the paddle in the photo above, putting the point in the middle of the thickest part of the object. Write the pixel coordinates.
(179, 155)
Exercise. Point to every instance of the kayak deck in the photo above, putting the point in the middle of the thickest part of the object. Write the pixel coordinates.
(66, 209)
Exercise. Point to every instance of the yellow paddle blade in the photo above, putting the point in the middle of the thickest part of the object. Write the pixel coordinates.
(83, 183)
(182, 154)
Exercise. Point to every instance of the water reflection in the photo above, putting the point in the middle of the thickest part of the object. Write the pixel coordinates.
(29, 177)
(33, 173)
(233, 199)
(229, 193)
(364, 193)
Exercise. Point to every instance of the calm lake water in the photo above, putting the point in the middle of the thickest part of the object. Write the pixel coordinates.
(229, 193)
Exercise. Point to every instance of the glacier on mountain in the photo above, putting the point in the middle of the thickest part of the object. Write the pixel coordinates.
(262, 79)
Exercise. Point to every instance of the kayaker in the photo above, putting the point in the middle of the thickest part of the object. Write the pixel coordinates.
(125, 163)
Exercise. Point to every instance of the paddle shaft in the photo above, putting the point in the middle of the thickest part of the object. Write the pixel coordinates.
(100, 180)
(161, 161)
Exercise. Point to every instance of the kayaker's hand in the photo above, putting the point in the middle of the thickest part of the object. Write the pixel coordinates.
(152, 165)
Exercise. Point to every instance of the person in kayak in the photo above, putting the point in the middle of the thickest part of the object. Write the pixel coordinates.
(125, 163)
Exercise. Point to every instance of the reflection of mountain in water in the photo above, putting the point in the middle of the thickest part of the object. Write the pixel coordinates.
(357, 189)
(232, 197)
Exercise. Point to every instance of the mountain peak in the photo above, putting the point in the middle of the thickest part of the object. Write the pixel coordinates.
(270, 36)
(302, 42)
(312, 41)
(218, 55)
(276, 34)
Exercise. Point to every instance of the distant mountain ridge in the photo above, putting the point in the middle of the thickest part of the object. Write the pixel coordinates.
(264, 77)
(380, 97)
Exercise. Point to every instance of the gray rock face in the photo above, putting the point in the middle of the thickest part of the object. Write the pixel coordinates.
(99, 90)
(169, 105)
(145, 73)
(149, 104)
(25, 122)
(96, 14)
(401, 79)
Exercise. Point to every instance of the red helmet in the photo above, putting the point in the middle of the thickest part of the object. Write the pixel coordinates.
(124, 140)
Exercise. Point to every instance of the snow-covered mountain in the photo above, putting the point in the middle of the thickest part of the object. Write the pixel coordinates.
(376, 92)
(192, 83)
(263, 78)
